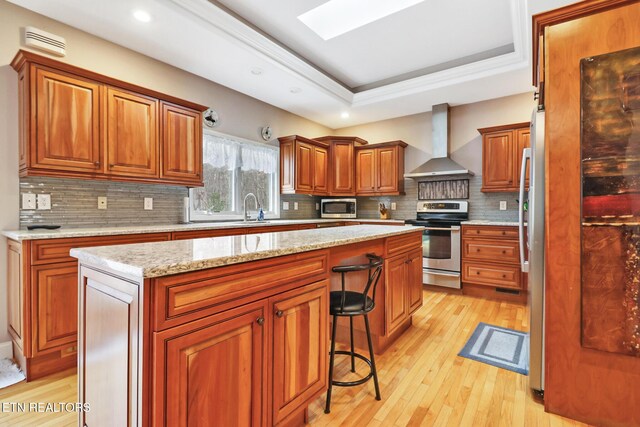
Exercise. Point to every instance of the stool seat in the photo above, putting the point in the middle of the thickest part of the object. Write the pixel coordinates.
(352, 303)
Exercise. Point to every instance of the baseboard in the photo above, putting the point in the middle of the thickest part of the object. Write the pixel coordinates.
(6, 350)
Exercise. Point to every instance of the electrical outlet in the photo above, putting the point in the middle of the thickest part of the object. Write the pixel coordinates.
(295, 206)
(503, 205)
(285, 206)
(44, 202)
(317, 206)
(393, 206)
(28, 201)
(102, 203)
(148, 204)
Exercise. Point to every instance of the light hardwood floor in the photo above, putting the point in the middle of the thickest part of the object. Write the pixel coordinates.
(423, 381)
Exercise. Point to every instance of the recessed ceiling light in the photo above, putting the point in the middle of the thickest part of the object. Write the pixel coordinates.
(337, 17)
(142, 15)
(295, 90)
(256, 71)
(344, 115)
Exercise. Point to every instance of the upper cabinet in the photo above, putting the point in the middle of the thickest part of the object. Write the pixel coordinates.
(77, 123)
(502, 148)
(380, 169)
(304, 166)
(342, 175)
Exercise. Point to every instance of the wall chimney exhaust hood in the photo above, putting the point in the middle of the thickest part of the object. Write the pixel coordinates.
(440, 164)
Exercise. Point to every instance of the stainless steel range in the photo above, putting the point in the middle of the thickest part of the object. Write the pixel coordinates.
(441, 240)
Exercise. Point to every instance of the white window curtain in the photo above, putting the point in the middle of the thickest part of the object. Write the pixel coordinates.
(261, 159)
(220, 151)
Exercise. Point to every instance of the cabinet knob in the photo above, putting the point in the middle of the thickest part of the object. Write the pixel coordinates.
(504, 252)
(504, 276)
(111, 165)
(260, 321)
(96, 164)
(477, 272)
(477, 231)
(279, 313)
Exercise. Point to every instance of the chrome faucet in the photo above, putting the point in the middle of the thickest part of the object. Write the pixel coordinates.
(246, 215)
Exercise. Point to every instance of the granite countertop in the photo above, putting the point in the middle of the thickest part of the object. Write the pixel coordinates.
(63, 232)
(489, 222)
(146, 260)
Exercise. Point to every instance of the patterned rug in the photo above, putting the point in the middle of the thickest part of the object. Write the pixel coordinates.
(501, 347)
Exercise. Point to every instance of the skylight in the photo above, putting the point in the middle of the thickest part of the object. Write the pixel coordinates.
(337, 17)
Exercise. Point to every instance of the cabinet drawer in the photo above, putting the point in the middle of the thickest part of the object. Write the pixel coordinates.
(502, 276)
(501, 251)
(57, 250)
(186, 297)
(490, 231)
(404, 243)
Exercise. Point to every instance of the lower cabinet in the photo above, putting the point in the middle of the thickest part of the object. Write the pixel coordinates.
(299, 348)
(218, 371)
(403, 288)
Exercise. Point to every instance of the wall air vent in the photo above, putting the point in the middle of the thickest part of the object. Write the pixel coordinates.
(41, 40)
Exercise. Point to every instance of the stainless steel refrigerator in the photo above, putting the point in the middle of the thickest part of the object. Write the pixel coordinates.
(532, 244)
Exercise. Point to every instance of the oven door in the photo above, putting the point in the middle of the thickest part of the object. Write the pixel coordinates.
(441, 248)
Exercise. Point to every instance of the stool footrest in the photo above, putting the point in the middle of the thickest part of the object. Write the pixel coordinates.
(359, 381)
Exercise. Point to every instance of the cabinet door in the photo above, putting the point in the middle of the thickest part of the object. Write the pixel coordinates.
(396, 292)
(55, 306)
(498, 161)
(299, 348)
(320, 170)
(181, 143)
(67, 123)
(304, 167)
(15, 293)
(365, 171)
(414, 280)
(523, 141)
(132, 134)
(212, 372)
(342, 169)
(387, 170)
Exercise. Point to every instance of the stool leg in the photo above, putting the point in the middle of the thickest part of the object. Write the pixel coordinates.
(373, 362)
(327, 408)
(353, 359)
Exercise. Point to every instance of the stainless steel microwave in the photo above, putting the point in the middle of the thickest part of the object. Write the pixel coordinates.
(338, 208)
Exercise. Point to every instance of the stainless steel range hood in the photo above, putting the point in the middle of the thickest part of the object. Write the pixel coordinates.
(440, 164)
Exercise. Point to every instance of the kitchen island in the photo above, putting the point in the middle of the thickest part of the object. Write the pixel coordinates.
(227, 330)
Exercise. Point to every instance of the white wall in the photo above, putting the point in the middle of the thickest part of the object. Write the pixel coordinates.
(240, 115)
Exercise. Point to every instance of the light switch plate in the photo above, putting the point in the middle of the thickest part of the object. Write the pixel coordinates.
(285, 206)
(503, 205)
(394, 206)
(148, 203)
(317, 206)
(28, 201)
(44, 202)
(102, 203)
(295, 206)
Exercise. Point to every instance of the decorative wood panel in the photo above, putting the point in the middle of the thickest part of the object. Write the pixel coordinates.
(365, 171)
(387, 169)
(15, 292)
(304, 167)
(320, 170)
(342, 169)
(181, 143)
(396, 292)
(414, 280)
(498, 160)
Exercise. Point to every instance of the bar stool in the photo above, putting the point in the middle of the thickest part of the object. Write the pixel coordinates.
(345, 303)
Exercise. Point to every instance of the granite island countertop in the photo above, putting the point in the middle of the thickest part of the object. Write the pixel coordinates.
(20, 235)
(147, 260)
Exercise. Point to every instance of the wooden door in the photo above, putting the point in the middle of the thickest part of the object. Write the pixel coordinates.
(414, 280)
(300, 319)
(320, 171)
(387, 170)
(498, 161)
(523, 140)
(342, 169)
(181, 143)
(15, 293)
(396, 292)
(365, 171)
(67, 123)
(304, 167)
(55, 302)
(132, 134)
(218, 371)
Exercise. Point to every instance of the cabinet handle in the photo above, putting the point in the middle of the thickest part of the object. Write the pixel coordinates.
(260, 321)
(279, 313)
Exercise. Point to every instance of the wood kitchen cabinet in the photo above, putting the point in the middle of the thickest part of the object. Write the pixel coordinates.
(80, 124)
(403, 287)
(380, 169)
(304, 166)
(502, 148)
(342, 174)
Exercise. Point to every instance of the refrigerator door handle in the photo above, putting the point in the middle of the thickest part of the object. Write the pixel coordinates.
(526, 155)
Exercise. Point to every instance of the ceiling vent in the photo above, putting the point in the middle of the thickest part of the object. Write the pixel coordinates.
(41, 40)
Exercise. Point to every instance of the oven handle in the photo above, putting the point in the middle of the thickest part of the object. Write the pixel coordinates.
(454, 228)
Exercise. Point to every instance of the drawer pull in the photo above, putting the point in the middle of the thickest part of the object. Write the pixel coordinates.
(477, 231)
(504, 233)
(477, 272)
(504, 252)
(504, 276)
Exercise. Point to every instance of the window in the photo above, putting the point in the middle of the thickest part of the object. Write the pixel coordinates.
(232, 168)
